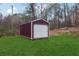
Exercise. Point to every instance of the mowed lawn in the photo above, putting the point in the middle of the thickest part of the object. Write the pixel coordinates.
(62, 45)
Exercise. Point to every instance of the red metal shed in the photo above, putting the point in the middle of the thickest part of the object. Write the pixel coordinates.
(38, 28)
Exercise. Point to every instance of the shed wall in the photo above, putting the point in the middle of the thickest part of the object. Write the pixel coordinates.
(39, 30)
(25, 30)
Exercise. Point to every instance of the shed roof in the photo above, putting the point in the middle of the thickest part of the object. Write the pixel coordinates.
(37, 20)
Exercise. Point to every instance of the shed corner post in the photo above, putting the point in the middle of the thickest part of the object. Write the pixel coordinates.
(48, 29)
(31, 38)
(31, 31)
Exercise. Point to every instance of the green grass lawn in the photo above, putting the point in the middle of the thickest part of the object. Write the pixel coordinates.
(63, 45)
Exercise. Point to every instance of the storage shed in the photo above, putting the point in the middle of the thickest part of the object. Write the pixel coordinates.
(38, 28)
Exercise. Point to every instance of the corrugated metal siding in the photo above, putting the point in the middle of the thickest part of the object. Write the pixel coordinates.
(40, 22)
(26, 30)
(40, 31)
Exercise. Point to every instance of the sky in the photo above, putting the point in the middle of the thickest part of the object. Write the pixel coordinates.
(5, 8)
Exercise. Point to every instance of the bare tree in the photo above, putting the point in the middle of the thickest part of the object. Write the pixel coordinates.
(33, 10)
(76, 14)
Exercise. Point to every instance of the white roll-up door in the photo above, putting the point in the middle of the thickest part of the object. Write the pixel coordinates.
(40, 31)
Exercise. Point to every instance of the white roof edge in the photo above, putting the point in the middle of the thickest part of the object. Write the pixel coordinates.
(36, 20)
(40, 19)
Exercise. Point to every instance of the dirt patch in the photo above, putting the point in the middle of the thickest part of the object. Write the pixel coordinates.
(73, 30)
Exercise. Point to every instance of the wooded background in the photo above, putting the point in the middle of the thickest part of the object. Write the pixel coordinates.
(59, 15)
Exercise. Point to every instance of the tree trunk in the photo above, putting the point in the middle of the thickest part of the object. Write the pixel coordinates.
(65, 15)
(33, 11)
(68, 16)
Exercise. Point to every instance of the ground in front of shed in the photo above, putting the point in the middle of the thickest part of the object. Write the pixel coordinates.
(66, 44)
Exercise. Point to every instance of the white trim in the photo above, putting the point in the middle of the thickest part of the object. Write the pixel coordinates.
(48, 29)
(31, 30)
(40, 38)
(36, 20)
(39, 19)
